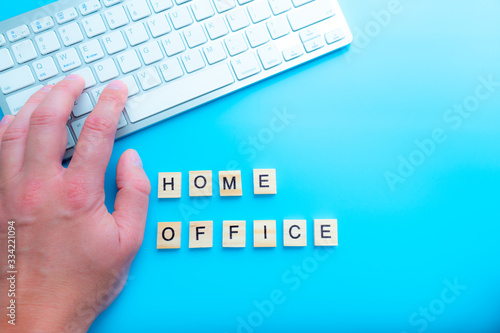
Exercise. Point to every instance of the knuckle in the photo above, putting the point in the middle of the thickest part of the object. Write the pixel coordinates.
(43, 116)
(98, 123)
(77, 194)
(32, 196)
(14, 133)
(144, 187)
(141, 186)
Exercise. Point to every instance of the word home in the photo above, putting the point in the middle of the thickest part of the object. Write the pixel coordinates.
(201, 184)
(234, 233)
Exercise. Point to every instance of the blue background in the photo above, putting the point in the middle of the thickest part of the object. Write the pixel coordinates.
(356, 112)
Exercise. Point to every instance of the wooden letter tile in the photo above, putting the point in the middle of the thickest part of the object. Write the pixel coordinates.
(200, 183)
(169, 184)
(325, 232)
(294, 233)
(264, 181)
(200, 234)
(233, 234)
(230, 183)
(264, 233)
(169, 235)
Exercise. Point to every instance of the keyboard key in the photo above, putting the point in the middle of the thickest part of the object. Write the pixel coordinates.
(2, 40)
(138, 9)
(192, 60)
(77, 126)
(180, 17)
(151, 53)
(18, 33)
(236, 44)
(161, 5)
(278, 27)
(128, 61)
(224, 5)
(257, 35)
(269, 56)
(47, 42)
(259, 11)
(170, 69)
(83, 105)
(45, 68)
(216, 27)
(309, 33)
(93, 25)
(70, 140)
(180, 2)
(149, 78)
(245, 65)
(187, 88)
(109, 3)
(5, 60)
(66, 15)
(96, 93)
(293, 52)
(16, 79)
(314, 12)
(71, 34)
(136, 34)
(68, 59)
(86, 74)
(334, 36)
(237, 19)
(89, 7)
(158, 25)
(91, 51)
(173, 44)
(16, 101)
(116, 17)
(114, 42)
(214, 52)
(202, 9)
(106, 70)
(242, 2)
(314, 44)
(194, 36)
(56, 80)
(280, 6)
(24, 51)
(131, 85)
(298, 3)
(42, 24)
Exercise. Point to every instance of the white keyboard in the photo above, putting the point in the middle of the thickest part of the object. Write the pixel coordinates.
(172, 54)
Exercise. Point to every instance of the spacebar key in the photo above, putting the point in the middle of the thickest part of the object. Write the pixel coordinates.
(311, 13)
(178, 92)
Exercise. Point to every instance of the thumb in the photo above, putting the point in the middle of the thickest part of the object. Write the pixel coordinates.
(131, 204)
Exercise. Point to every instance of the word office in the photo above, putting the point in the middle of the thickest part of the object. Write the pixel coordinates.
(234, 231)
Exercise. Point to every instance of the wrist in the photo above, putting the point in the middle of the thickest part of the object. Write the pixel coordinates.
(49, 318)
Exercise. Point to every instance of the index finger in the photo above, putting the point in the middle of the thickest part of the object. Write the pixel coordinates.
(95, 144)
(46, 141)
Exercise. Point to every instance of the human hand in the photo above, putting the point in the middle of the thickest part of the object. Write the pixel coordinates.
(72, 255)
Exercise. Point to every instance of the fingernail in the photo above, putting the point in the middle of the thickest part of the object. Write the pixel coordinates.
(115, 85)
(6, 119)
(136, 159)
(47, 88)
(73, 77)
